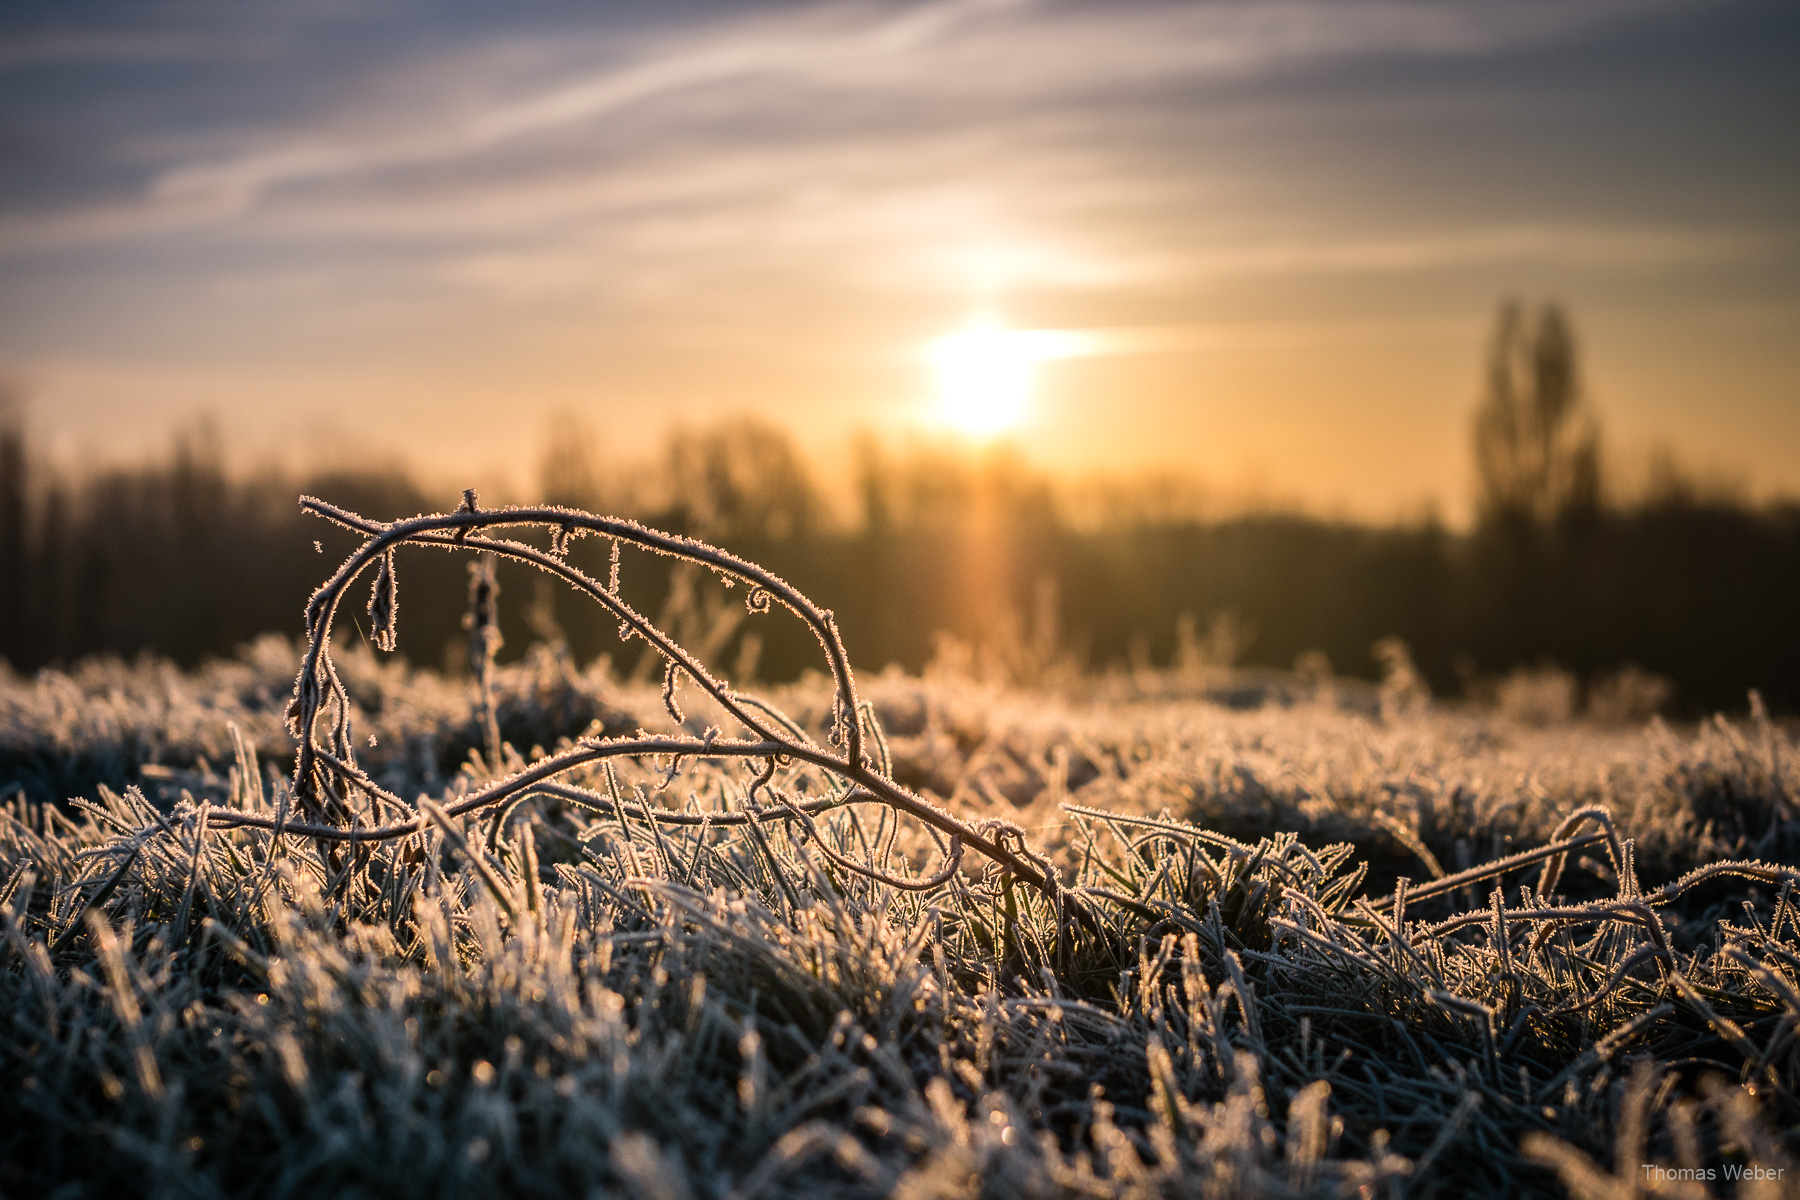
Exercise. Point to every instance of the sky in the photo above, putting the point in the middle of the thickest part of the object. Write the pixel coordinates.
(1268, 238)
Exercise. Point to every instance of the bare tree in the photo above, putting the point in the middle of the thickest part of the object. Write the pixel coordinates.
(1537, 448)
(12, 528)
(741, 479)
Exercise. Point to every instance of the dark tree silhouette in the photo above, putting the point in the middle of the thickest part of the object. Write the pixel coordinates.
(12, 529)
(1537, 449)
(742, 480)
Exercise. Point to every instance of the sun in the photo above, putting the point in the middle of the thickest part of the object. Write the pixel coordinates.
(984, 376)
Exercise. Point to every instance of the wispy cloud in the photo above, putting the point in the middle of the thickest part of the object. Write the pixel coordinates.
(760, 83)
(106, 46)
(775, 204)
(1609, 245)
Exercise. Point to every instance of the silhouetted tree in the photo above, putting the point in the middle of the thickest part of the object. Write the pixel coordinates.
(1536, 450)
(741, 480)
(12, 531)
(567, 469)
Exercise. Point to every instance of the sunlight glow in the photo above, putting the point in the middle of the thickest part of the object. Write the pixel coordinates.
(985, 375)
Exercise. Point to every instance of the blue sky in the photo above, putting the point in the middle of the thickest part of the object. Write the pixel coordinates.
(422, 230)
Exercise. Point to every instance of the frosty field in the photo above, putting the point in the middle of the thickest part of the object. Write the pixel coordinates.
(1220, 991)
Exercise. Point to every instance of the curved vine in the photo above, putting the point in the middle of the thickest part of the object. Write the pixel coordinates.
(325, 770)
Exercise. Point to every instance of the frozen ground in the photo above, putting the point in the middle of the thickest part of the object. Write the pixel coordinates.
(570, 1005)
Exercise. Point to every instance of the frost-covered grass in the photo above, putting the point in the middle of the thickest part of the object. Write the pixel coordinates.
(571, 1005)
(552, 932)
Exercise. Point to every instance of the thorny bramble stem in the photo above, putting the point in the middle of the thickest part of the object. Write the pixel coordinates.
(321, 769)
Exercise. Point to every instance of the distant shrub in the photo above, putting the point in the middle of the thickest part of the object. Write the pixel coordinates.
(1404, 691)
(1628, 696)
(1538, 696)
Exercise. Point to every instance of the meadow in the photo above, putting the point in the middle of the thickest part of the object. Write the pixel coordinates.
(298, 922)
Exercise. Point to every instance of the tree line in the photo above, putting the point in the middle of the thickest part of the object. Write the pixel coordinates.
(183, 558)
